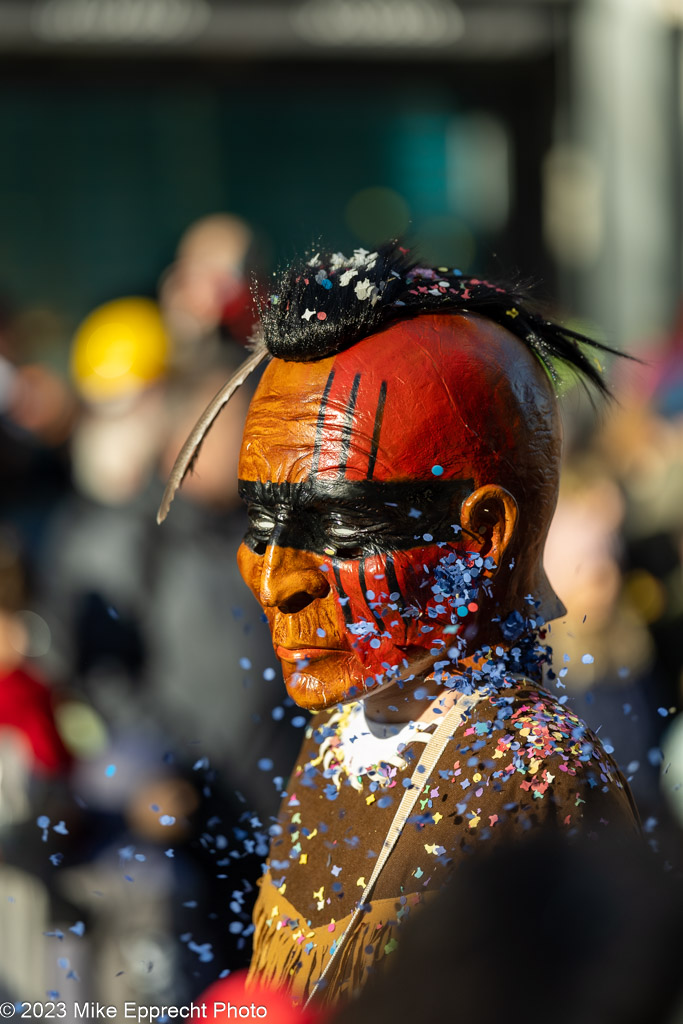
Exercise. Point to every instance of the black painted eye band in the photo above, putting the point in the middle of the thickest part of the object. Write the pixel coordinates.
(357, 517)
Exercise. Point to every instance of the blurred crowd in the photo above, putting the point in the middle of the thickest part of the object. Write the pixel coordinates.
(139, 692)
(142, 716)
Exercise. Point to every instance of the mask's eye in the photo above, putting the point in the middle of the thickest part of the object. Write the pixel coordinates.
(344, 538)
(261, 526)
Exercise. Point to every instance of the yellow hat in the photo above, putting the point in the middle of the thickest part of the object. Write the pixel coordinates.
(121, 347)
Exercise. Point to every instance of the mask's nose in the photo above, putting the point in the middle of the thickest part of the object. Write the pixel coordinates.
(291, 579)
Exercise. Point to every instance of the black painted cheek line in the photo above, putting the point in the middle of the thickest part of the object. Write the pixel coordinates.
(363, 587)
(320, 425)
(379, 415)
(346, 610)
(392, 579)
(347, 429)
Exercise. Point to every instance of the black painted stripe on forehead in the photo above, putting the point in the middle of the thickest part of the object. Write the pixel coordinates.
(379, 415)
(418, 494)
(348, 425)
(320, 425)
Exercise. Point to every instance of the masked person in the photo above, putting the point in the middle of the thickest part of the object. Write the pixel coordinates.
(400, 467)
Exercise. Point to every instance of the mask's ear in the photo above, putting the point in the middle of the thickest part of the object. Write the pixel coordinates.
(190, 449)
(490, 513)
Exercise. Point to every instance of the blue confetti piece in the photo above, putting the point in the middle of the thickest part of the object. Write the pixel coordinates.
(245, 663)
(587, 659)
(278, 714)
(43, 821)
(663, 712)
(437, 470)
(265, 764)
(78, 928)
(110, 771)
(298, 722)
(63, 962)
(224, 973)
(61, 828)
(655, 757)
(269, 674)
(56, 859)
(167, 819)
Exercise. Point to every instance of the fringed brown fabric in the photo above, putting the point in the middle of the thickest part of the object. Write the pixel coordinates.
(291, 956)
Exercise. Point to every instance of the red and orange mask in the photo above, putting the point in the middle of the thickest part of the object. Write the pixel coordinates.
(384, 487)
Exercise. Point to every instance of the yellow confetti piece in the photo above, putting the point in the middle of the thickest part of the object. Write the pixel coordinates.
(370, 799)
(512, 312)
(534, 765)
(313, 833)
(476, 777)
(282, 888)
(319, 894)
(296, 818)
(475, 820)
(361, 881)
(437, 818)
(430, 849)
(303, 859)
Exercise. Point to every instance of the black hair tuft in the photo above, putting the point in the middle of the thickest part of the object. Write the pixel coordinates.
(328, 302)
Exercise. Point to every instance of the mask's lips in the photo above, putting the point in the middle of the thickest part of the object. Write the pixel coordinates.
(299, 654)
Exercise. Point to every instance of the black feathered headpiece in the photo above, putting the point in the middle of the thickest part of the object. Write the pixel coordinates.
(328, 302)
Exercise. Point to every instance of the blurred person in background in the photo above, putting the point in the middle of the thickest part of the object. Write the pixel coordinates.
(615, 549)
(205, 295)
(150, 627)
(37, 412)
(34, 770)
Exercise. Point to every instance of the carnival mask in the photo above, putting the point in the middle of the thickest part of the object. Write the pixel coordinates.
(377, 515)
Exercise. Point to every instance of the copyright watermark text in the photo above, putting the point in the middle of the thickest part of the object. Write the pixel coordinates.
(219, 1011)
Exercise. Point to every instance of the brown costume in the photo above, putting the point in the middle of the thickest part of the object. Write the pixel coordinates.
(482, 792)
